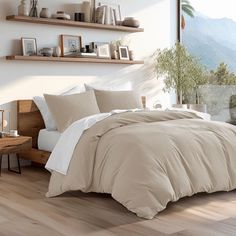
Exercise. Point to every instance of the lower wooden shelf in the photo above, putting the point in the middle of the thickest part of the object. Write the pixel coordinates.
(69, 59)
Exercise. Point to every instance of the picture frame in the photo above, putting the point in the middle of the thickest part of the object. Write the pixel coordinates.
(103, 49)
(124, 53)
(29, 46)
(70, 45)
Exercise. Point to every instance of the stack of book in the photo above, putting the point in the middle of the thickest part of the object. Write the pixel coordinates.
(107, 15)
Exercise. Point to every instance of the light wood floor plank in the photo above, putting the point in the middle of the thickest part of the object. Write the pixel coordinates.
(24, 210)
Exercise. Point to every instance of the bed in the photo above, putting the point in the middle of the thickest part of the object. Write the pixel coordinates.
(47, 140)
(29, 123)
(145, 159)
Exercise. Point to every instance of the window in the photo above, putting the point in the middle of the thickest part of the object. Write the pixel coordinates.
(207, 29)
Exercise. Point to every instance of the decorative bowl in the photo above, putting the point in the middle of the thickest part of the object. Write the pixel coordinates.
(131, 22)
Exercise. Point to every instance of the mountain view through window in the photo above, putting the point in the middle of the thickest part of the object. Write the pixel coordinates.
(209, 33)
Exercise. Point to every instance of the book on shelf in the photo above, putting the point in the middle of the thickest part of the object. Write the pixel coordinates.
(100, 15)
(106, 15)
(87, 55)
(112, 16)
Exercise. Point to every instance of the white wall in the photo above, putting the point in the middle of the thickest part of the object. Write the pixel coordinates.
(22, 80)
(19, 80)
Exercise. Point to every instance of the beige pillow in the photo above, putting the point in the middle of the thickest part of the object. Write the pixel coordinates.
(112, 100)
(69, 108)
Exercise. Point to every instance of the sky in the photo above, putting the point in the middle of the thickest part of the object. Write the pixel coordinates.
(216, 8)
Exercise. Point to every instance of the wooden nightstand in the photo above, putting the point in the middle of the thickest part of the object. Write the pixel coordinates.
(15, 145)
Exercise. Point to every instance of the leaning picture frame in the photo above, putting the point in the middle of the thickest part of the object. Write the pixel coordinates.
(103, 49)
(29, 46)
(124, 53)
(70, 45)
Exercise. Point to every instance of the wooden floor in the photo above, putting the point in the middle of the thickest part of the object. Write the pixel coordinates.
(25, 211)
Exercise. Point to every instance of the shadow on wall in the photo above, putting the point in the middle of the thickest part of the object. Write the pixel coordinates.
(38, 78)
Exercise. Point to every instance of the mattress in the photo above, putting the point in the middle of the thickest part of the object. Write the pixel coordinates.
(47, 140)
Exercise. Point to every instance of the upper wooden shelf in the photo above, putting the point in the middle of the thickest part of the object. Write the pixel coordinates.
(72, 59)
(70, 23)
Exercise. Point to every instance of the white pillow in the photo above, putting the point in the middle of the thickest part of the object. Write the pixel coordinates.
(46, 114)
(44, 110)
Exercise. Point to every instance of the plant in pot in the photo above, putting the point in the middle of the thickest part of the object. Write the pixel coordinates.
(200, 78)
(179, 69)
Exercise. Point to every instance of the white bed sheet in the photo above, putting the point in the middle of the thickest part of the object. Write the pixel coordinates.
(47, 140)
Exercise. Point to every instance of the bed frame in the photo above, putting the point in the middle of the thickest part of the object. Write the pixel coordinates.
(29, 123)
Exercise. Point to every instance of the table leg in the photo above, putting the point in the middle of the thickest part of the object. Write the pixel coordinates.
(8, 162)
(0, 165)
(18, 162)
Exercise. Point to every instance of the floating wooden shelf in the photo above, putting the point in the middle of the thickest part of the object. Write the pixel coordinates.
(71, 23)
(70, 59)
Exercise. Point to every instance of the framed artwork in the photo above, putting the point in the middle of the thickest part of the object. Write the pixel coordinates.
(103, 50)
(70, 45)
(29, 46)
(124, 53)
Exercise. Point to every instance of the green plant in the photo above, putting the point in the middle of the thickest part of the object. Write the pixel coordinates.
(182, 71)
(222, 76)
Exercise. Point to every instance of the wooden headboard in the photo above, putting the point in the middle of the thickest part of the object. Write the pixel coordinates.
(29, 120)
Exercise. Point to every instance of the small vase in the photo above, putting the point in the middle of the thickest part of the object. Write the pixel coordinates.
(45, 13)
(57, 52)
(23, 9)
(86, 9)
(34, 8)
(131, 55)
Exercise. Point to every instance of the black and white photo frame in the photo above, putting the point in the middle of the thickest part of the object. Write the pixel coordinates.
(124, 53)
(29, 46)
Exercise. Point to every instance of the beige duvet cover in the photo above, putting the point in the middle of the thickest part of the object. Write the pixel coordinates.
(147, 159)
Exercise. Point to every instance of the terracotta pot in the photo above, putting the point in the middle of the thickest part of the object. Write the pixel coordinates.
(198, 107)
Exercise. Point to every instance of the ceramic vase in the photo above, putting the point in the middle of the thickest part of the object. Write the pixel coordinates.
(45, 13)
(57, 52)
(23, 9)
(34, 8)
(86, 9)
(131, 55)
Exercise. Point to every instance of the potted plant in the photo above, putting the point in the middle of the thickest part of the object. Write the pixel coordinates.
(200, 78)
(180, 69)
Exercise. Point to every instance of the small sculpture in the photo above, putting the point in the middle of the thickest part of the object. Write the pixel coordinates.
(34, 8)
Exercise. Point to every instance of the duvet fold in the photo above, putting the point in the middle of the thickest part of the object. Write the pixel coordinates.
(147, 159)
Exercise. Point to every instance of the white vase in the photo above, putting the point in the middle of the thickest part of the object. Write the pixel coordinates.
(45, 13)
(57, 52)
(86, 9)
(23, 9)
